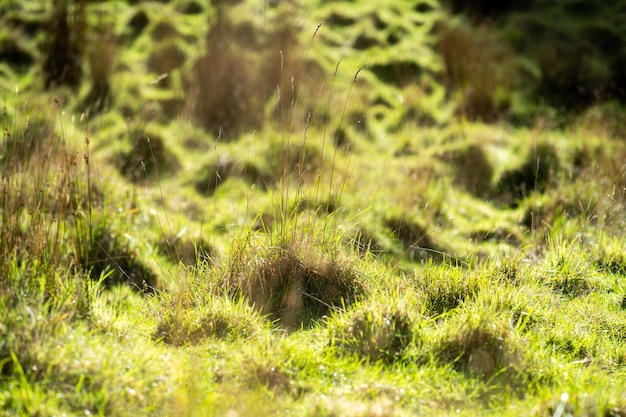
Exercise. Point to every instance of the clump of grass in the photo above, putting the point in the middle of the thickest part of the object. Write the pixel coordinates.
(49, 360)
(188, 250)
(603, 119)
(443, 288)
(369, 239)
(539, 170)
(47, 216)
(114, 255)
(166, 58)
(472, 170)
(374, 331)
(509, 270)
(568, 271)
(480, 344)
(277, 368)
(164, 30)
(102, 57)
(302, 160)
(609, 257)
(479, 67)
(244, 65)
(148, 157)
(275, 379)
(415, 239)
(41, 193)
(224, 166)
(194, 310)
(609, 175)
(62, 65)
(595, 337)
(65, 369)
(38, 302)
(187, 319)
(32, 139)
(500, 235)
(526, 304)
(277, 165)
(292, 278)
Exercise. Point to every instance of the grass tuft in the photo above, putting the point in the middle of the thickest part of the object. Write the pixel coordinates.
(114, 255)
(187, 321)
(609, 257)
(292, 279)
(538, 171)
(416, 240)
(568, 271)
(67, 26)
(373, 331)
(147, 157)
(444, 288)
(222, 167)
(473, 171)
(482, 345)
(480, 67)
(230, 86)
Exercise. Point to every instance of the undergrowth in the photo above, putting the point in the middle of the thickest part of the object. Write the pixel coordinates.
(299, 222)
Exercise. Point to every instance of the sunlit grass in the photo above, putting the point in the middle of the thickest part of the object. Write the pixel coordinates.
(356, 245)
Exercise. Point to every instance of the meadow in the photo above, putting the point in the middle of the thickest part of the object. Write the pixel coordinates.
(312, 208)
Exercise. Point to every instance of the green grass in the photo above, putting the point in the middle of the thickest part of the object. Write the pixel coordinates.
(345, 219)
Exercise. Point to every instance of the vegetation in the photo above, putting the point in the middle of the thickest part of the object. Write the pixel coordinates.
(312, 208)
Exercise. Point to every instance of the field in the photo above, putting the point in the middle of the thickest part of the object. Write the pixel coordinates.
(312, 208)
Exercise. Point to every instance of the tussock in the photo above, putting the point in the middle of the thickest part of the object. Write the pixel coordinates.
(374, 332)
(536, 174)
(148, 157)
(241, 70)
(293, 281)
(110, 254)
(482, 346)
(443, 288)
